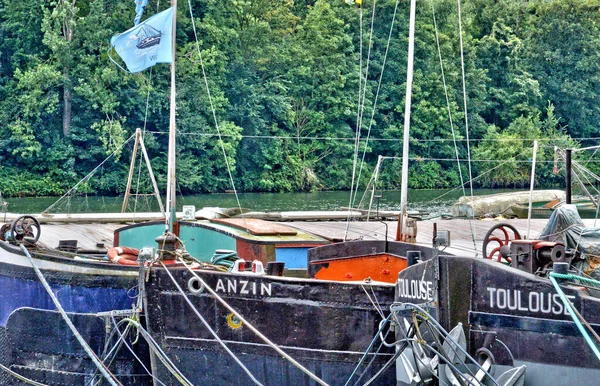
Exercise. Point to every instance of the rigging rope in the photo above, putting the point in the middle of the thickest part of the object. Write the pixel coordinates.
(88, 176)
(252, 328)
(366, 77)
(362, 104)
(353, 197)
(105, 372)
(20, 377)
(569, 307)
(214, 114)
(208, 327)
(310, 138)
(464, 87)
(437, 41)
(357, 134)
(387, 48)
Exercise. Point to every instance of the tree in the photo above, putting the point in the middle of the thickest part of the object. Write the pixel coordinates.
(562, 40)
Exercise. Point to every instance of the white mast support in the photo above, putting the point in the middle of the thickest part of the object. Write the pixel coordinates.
(401, 233)
(151, 173)
(139, 140)
(379, 160)
(171, 203)
(131, 167)
(535, 146)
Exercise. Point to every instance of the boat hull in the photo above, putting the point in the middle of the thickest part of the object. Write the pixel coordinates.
(326, 326)
(512, 316)
(584, 209)
(35, 340)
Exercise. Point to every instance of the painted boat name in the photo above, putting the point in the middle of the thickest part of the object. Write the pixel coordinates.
(535, 302)
(415, 289)
(243, 287)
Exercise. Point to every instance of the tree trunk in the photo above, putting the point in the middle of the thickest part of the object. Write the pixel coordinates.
(67, 97)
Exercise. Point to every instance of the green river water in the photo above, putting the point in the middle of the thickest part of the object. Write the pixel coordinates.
(435, 202)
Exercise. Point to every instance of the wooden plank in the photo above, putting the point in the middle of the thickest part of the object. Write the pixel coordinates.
(466, 236)
(257, 227)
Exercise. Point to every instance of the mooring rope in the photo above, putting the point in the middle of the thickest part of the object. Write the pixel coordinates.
(381, 327)
(378, 309)
(131, 349)
(155, 347)
(440, 330)
(20, 377)
(105, 372)
(252, 328)
(108, 355)
(571, 309)
(209, 328)
(123, 341)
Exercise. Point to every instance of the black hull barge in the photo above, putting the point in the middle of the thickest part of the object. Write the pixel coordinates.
(325, 326)
(511, 320)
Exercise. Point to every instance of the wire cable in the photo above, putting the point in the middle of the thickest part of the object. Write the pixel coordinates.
(105, 372)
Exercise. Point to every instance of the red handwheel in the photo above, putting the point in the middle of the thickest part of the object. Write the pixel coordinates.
(498, 236)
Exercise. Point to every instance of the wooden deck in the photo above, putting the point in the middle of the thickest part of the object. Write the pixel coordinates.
(462, 232)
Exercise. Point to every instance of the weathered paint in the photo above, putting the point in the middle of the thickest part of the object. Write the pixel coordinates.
(86, 297)
(203, 242)
(139, 235)
(326, 325)
(31, 327)
(379, 267)
(294, 258)
(257, 227)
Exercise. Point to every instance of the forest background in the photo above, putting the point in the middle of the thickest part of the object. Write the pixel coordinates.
(285, 76)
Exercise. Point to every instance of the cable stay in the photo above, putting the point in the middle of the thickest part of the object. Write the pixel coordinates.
(242, 319)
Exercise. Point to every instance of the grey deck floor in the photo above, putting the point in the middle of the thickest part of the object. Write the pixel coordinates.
(461, 231)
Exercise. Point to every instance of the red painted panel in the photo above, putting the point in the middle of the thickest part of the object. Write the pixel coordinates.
(381, 267)
(250, 251)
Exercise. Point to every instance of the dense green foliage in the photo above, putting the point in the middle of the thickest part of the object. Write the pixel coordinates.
(289, 80)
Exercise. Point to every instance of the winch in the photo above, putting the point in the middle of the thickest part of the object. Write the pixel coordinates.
(535, 255)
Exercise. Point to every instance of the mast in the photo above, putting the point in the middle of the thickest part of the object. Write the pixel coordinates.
(568, 182)
(401, 232)
(171, 202)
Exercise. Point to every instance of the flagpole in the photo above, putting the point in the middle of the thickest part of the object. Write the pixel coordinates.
(401, 232)
(171, 202)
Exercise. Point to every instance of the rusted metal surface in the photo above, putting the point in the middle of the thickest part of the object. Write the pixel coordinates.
(380, 267)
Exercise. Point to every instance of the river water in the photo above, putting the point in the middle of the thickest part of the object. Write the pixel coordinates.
(435, 202)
